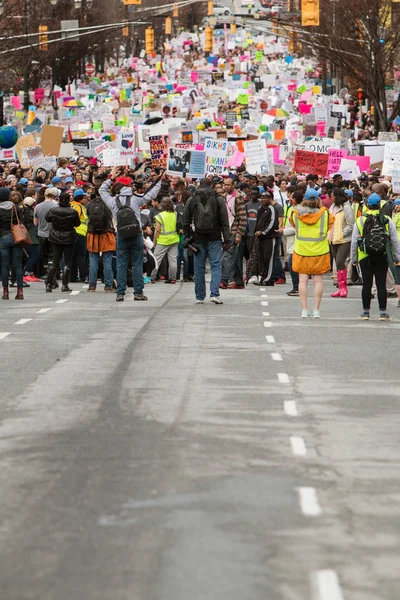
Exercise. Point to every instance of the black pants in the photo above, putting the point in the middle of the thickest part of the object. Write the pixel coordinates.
(46, 252)
(266, 251)
(58, 251)
(370, 266)
(79, 259)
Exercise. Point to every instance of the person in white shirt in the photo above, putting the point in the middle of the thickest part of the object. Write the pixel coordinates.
(63, 170)
(280, 193)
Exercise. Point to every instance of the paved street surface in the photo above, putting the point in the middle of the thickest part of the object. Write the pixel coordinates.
(174, 451)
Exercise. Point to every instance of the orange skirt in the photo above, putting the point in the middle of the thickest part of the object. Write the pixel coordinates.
(101, 242)
(311, 265)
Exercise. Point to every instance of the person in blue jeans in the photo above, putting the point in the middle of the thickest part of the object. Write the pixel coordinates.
(11, 255)
(100, 241)
(208, 213)
(131, 248)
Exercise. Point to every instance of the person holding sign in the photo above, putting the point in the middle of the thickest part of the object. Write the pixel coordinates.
(311, 247)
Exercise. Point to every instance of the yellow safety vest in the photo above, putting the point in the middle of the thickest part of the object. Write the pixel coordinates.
(356, 209)
(367, 211)
(287, 210)
(360, 226)
(396, 221)
(81, 210)
(168, 234)
(311, 240)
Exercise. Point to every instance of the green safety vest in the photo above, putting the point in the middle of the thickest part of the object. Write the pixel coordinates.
(368, 211)
(168, 234)
(396, 221)
(287, 210)
(311, 240)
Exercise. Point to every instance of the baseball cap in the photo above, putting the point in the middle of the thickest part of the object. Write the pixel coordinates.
(68, 180)
(124, 180)
(56, 180)
(23, 181)
(396, 202)
(349, 193)
(80, 194)
(28, 201)
(312, 193)
(374, 200)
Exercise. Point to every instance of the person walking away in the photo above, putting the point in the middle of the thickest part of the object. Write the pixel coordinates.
(39, 220)
(266, 232)
(311, 254)
(289, 233)
(278, 274)
(79, 253)
(33, 251)
(11, 255)
(253, 205)
(374, 245)
(65, 220)
(340, 237)
(166, 240)
(232, 262)
(125, 207)
(396, 221)
(205, 221)
(100, 241)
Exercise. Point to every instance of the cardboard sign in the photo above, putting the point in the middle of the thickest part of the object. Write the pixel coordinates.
(310, 162)
(335, 156)
(32, 155)
(387, 136)
(51, 139)
(215, 156)
(27, 141)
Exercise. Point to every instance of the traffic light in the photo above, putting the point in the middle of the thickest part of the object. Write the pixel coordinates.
(168, 25)
(358, 31)
(210, 8)
(310, 13)
(360, 95)
(209, 39)
(43, 37)
(149, 39)
(175, 12)
(125, 31)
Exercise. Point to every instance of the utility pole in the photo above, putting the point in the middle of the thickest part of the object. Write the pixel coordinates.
(28, 61)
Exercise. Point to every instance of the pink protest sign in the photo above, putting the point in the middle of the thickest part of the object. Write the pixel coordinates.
(194, 76)
(363, 162)
(321, 128)
(16, 102)
(275, 152)
(305, 109)
(236, 160)
(334, 159)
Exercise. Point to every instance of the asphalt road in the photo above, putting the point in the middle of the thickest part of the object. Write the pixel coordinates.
(174, 451)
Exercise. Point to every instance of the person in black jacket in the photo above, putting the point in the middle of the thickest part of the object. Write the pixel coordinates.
(11, 255)
(62, 236)
(266, 231)
(208, 213)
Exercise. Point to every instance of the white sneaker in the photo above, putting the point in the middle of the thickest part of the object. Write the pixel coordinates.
(216, 300)
(316, 314)
(305, 314)
(199, 301)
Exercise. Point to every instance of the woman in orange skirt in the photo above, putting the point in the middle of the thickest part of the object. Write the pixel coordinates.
(311, 222)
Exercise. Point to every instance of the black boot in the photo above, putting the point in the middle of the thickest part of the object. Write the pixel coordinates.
(65, 280)
(49, 279)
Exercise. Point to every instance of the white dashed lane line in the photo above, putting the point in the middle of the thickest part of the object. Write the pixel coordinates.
(75, 292)
(267, 324)
(43, 310)
(264, 303)
(4, 334)
(266, 314)
(290, 408)
(270, 339)
(22, 321)
(326, 585)
(276, 356)
(298, 446)
(309, 501)
(283, 378)
(62, 301)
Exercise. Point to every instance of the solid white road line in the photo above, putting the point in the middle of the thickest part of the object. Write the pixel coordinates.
(265, 314)
(62, 301)
(75, 292)
(276, 356)
(309, 501)
(267, 324)
(290, 408)
(264, 303)
(298, 446)
(270, 339)
(43, 310)
(283, 378)
(4, 334)
(22, 321)
(326, 585)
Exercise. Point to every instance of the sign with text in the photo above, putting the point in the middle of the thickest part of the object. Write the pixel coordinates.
(256, 157)
(215, 156)
(335, 156)
(310, 162)
(159, 150)
(390, 157)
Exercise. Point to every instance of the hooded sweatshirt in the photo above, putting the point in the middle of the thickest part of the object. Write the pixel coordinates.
(310, 216)
(124, 194)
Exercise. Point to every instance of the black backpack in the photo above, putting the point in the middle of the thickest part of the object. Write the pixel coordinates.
(97, 216)
(128, 225)
(374, 235)
(204, 212)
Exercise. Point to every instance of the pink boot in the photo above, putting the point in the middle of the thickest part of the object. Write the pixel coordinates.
(343, 287)
(337, 294)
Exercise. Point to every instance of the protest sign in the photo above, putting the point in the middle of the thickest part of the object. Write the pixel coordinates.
(396, 179)
(387, 136)
(31, 155)
(321, 145)
(215, 156)
(48, 163)
(27, 141)
(159, 150)
(231, 118)
(256, 157)
(98, 150)
(351, 167)
(9, 154)
(67, 150)
(126, 143)
(113, 158)
(335, 155)
(310, 162)
(190, 162)
(391, 155)
(82, 147)
(51, 139)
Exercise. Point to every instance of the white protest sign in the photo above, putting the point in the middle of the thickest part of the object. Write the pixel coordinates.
(387, 136)
(31, 155)
(112, 158)
(256, 157)
(349, 166)
(126, 143)
(215, 156)
(396, 179)
(320, 113)
(49, 163)
(391, 156)
(98, 150)
(320, 144)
